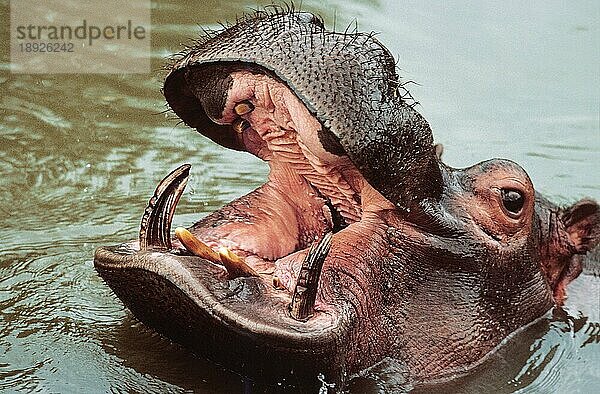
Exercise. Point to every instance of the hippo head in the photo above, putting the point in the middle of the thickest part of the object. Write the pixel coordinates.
(362, 245)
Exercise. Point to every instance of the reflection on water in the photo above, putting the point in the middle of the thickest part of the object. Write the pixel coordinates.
(80, 155)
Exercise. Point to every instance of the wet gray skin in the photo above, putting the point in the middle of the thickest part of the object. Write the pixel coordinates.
(429, 267)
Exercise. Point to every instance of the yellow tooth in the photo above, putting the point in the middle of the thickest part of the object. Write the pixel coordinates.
(277, 283)
(239, 125)
(195, 246)
(243, 108)
(234, 264)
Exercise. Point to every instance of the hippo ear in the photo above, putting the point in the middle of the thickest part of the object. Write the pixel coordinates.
(582, 223)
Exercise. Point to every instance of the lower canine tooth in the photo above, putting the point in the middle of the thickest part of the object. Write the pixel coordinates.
(155, 228)
(195, 246)
(239, 125)
(305, 293)
(234, 264)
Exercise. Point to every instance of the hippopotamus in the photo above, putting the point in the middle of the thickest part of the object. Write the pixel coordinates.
(362, 247)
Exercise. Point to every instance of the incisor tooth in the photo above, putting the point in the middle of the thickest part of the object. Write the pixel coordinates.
(234, 264)
(195, 246)
(239, 125)
(277, 283)
(243, 108)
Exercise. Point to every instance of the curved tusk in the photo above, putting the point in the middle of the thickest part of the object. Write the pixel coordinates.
(155, 229)
(305, 293)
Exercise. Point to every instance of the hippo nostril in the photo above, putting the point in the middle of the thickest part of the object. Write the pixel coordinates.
(513, 201)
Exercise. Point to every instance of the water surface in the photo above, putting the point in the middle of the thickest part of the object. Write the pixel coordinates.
(81, 154)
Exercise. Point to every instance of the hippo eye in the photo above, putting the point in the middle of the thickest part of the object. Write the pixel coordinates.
(512, 200)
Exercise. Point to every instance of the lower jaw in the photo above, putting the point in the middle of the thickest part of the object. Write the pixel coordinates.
(243, 323)
(237, 323)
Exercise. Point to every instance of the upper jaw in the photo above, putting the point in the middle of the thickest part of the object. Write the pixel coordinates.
(339, 80)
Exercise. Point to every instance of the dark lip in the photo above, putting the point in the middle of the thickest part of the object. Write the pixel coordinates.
(237, 323)
(198, 278)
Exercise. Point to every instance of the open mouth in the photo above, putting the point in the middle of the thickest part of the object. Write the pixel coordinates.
(280, 233)
(252, 269)
(282, 279)
(327, 267)
(310, 191)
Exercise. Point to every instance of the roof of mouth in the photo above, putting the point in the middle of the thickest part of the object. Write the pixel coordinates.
(281, 130)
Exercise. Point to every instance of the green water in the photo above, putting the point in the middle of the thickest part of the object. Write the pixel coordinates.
(81, 154)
